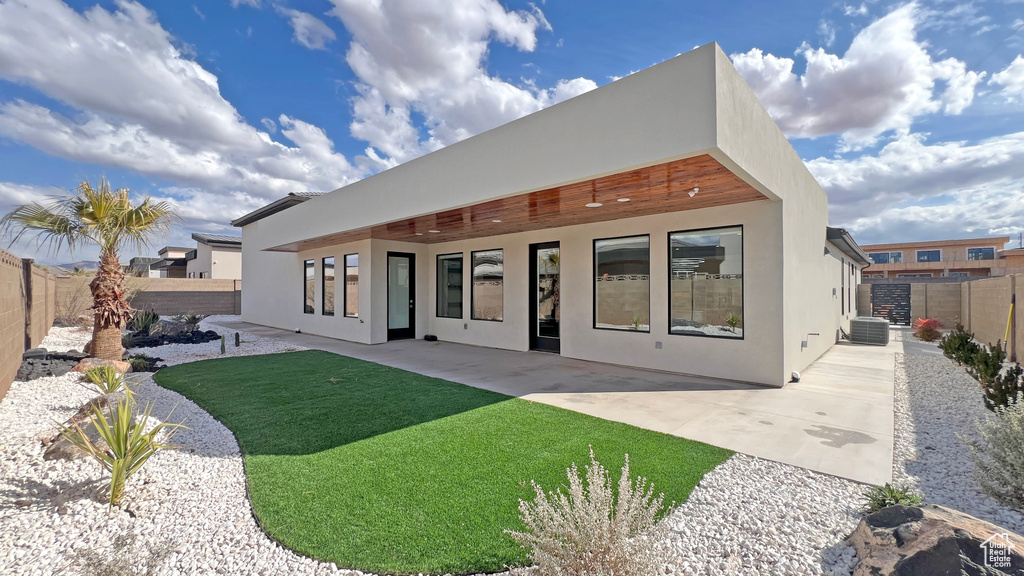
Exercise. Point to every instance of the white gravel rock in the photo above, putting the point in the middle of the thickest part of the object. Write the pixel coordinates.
(937, 403)
(748, 516)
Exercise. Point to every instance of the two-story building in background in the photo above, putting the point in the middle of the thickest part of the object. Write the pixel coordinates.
(967, 259)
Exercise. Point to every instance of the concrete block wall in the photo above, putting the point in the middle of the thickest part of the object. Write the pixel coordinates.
(22, 312)
(1018, 336)
(165, 296)
(989, 307)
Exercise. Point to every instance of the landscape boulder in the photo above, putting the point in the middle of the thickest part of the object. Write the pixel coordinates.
(87, 363)
(58, 447)
(934, 541)
(170, 328)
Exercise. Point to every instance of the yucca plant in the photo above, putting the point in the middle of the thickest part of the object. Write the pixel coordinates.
(143, 319)
(107, 380)
(732, 321)
(592, 531)
(127, 443)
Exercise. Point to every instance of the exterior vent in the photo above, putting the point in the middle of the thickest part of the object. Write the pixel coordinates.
(868, 330)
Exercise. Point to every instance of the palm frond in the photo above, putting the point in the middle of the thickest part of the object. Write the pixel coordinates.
(50, 224)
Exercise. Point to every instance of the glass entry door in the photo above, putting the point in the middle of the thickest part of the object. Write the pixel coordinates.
(544, 297)
(401, 295)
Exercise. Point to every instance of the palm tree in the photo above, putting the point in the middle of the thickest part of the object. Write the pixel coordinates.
(109, 219)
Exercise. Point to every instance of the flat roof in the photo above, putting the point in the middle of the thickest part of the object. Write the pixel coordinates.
(684, 134)
(292, 199)
(217, 239)
(842, 240)
(998, 241)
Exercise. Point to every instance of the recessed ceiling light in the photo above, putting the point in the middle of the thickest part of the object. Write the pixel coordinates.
(434, 231)
(496, 221)
(693, 192)
(419, 233)
(623, 200)
(594, 204)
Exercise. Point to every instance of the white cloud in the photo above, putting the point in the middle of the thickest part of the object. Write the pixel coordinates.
(882, 83)
(1011, 79)
(309, 30)
(250, 3)
(827, 32)
(142, 105)
(912, 180)
(12, 194)
(428, 57)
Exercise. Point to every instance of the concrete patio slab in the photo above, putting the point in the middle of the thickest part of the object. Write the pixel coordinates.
(837, 420)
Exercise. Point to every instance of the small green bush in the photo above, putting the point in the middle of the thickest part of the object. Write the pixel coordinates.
(999, 458)
(127, 340)
(107, 380)
(959, 345)
(592, 532)
(878, 497)
(987, 363)
(143, 363)
(1005, 388)
(143, 319)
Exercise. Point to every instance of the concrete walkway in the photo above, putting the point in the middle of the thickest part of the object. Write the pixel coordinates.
(838, 419)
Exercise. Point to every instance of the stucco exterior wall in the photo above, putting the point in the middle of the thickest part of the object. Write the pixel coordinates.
(751, 144)
(199, 267)
(691, 105)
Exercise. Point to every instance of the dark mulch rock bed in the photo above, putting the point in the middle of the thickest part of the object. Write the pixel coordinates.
(48, 364)
(144, 340)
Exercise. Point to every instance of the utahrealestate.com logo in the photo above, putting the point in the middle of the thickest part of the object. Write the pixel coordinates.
(997, 551)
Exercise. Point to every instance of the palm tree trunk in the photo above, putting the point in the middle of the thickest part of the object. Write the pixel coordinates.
(111, 312)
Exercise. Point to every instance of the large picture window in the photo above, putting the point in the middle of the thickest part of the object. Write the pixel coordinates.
(328, 286)
(309, 286)
(706, 282)
(929, 255)
(622, 283)
(352, 285)
(449, 285)
(488, 293)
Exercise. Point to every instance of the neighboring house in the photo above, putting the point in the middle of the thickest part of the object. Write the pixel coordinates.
(971, 258)
(141, 267)
(172, 263)
(661, 221)
(215, 256)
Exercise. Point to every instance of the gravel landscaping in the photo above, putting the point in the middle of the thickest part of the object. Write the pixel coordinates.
(937, 403)
(748, 516)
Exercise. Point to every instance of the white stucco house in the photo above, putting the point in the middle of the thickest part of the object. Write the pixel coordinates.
(661, 221)
(215, 256)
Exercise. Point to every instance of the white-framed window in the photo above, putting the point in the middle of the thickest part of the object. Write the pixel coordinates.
(919, 275)
(957, 274)
(894, 257)
(981, 253)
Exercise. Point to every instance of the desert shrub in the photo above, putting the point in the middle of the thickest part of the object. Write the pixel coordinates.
(143, 363)
(127, 340)
(999, 457)
(987, 363)
(927, 329)
(591, 532)
(878, 497)
(128, 444)
(959, 345)
(107, 380)
(190, 318)
(1005, 388)
(126, 558)
(143, 319)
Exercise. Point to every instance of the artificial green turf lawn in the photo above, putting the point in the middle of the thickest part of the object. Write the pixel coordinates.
(390, 471)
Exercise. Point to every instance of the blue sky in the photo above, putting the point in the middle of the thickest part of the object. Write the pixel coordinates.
(911, 115)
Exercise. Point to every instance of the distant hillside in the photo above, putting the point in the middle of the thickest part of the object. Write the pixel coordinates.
(90, 265)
